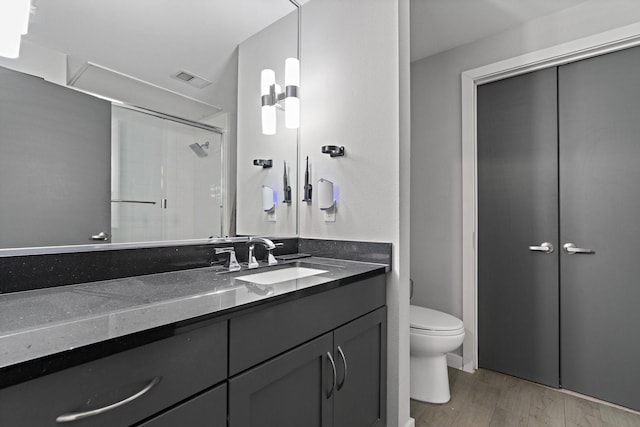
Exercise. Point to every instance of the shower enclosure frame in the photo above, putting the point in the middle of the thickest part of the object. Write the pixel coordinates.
(187, 122)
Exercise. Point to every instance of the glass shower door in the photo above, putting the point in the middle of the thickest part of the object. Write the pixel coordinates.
(166, 179)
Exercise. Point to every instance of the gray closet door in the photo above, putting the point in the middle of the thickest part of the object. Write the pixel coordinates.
(518, 208)
(55, 163)
(600, 206)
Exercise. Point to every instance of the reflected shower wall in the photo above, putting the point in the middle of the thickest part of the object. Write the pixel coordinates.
(166, 180)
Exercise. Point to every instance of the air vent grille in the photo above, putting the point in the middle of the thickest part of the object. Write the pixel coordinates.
(191, 79)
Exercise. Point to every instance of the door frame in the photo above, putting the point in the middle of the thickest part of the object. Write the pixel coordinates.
(594, 45)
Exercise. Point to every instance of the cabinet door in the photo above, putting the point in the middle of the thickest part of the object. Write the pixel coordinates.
(292, 390)
(360, 355)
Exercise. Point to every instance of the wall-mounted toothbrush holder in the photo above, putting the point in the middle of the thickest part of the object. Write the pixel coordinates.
(308, 188)
(265, 163)
(333, 150)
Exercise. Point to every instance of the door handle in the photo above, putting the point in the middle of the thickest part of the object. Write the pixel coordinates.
(100, 236)
(545, 247)
(571, 249)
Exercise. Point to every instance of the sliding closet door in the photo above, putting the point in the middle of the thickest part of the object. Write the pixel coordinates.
(600, 212)
(517, 219)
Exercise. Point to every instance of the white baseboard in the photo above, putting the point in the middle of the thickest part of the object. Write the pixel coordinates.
(410, 422)
(455, 361)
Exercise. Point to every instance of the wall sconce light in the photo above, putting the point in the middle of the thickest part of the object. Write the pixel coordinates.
(14, 22)
(272, 94)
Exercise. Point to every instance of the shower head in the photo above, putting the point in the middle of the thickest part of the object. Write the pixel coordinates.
(199, 149)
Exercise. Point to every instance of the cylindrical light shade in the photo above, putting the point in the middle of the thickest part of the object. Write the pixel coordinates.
(292, 100)
(10, 45)
(292, 112)
(269, 119)
(292, 72)
(267, 78)
(14, 17)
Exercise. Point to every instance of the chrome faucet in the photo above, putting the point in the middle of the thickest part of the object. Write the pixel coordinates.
(268, 245)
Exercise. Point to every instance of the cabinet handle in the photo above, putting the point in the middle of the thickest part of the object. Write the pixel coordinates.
(74, 416)
(344, 363)
(333, 383)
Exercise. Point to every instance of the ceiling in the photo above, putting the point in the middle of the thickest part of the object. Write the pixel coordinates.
(439, 25)
(151, 42)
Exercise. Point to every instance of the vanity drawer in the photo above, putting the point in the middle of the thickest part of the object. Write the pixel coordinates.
(171, 370)
(207, 409)
(262, 334)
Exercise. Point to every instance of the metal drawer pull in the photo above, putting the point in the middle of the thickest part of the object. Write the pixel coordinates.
(74, 416)
(344, 363)
(546, 247)
(571, 249)
(333, 367)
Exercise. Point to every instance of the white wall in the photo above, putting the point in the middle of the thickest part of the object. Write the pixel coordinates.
(351, 96)
(266, 49)
(436, 138)
(39, 61)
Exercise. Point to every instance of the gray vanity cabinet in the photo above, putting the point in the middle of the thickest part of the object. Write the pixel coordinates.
(207, 409)
(337, 379)
(291, 390)
(360, 356)
(133, 385)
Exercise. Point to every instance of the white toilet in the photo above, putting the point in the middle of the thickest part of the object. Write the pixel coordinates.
(433, 335)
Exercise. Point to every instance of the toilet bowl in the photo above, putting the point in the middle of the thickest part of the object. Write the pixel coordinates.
(433, 334)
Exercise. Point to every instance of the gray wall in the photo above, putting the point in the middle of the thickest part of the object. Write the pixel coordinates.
(436, 152)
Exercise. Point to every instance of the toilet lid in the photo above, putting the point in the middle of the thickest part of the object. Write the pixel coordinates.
(426, 318)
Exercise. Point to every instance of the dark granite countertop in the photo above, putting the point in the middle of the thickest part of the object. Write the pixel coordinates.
(44, 322)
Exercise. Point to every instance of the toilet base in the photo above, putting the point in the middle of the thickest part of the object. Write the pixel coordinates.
(430, 379)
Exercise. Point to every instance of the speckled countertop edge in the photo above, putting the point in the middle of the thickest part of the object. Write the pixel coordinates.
(43, 322)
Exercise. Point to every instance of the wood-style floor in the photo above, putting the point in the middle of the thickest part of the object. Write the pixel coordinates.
(491, 399)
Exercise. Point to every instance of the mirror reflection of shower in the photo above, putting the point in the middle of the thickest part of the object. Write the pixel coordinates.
(199, 149)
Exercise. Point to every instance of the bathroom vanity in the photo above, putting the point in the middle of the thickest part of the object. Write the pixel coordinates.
(303, 344)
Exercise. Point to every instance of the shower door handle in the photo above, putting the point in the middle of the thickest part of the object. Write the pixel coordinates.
(545, 247)
(571, 249)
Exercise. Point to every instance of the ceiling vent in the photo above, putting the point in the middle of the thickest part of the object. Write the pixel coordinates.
(191, 79)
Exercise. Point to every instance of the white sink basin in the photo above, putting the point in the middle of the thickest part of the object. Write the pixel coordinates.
(281, 275)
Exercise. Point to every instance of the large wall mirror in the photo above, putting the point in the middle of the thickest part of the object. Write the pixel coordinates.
(179, 84)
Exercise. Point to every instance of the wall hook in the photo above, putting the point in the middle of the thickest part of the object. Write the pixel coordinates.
(265, 163)
(333, 150)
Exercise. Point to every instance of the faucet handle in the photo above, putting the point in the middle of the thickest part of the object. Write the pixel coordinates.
(253, 262)
(271, 259)
(234, 265)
